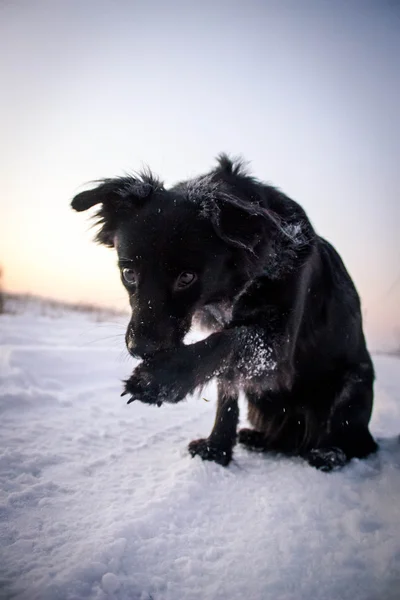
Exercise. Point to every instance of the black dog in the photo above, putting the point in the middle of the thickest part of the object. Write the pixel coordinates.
(236, 255)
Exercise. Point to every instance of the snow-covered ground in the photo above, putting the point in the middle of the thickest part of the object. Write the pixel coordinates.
(101, 500)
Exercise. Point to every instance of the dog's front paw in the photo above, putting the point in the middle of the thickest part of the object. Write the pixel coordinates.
(157, 380)
(209, 450)
(327, 459)
(140, 386)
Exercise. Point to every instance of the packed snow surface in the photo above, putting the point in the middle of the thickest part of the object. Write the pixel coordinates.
(100, 500)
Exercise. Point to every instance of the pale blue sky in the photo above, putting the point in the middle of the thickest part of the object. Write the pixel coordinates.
(307, 91)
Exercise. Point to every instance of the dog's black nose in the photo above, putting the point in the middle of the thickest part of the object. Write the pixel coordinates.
(142, 347)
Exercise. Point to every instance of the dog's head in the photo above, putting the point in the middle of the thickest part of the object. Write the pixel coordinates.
(179, 250)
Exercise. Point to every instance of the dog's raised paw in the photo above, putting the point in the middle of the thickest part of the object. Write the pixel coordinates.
(144, 391)
(208, 450)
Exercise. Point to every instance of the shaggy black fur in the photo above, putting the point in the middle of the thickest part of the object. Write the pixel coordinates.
(240, 257)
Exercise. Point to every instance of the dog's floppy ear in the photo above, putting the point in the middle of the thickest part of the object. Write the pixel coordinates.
(117, 198)
(239, 222)
(115, 191)
(230, 200)
(236, 213)
(104, 192)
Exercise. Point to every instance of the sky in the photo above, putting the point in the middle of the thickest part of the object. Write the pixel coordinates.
(307, 91)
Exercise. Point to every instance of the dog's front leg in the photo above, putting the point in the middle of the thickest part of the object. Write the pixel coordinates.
(170, 376)
(219, 444)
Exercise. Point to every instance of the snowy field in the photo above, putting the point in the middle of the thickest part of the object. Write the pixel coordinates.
(100, 500)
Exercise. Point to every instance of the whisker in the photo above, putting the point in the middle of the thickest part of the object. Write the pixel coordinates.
(115, 338)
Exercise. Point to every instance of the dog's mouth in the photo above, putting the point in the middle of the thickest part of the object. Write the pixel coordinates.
(145, 353)
(138, 353)
(145, 347)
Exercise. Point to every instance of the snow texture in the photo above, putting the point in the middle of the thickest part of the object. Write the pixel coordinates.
(258, 357)
(296, 233)
(100, 500)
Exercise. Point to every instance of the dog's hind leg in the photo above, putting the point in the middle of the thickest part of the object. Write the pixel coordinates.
(219, 444)
(252, 439)
(347, 433)
(267, 424)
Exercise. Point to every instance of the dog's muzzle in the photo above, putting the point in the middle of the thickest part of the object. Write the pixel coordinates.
(140, 346)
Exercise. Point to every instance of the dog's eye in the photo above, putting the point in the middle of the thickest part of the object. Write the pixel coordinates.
(185, 279)
(129, 276)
